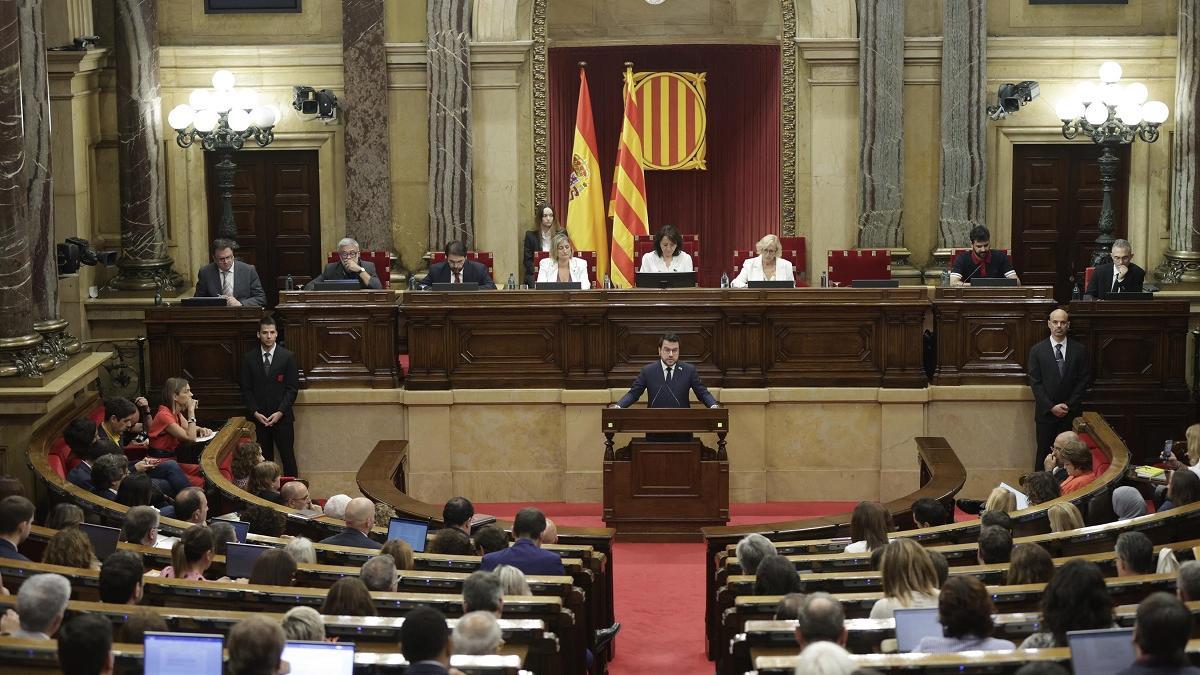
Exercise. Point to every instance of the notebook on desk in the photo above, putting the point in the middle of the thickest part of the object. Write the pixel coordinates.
(182, 654)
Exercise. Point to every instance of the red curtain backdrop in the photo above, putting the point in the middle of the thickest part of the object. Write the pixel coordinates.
(735, 201)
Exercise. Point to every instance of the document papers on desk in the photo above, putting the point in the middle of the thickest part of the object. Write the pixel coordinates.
(1022, 500)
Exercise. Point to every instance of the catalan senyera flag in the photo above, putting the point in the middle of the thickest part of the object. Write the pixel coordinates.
(673, 119)
(628, 191)
(585, 209)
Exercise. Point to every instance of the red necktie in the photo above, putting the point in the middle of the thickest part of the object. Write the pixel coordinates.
(457, 277)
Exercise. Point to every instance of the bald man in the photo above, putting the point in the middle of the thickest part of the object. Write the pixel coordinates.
(1053, 461)
(550, 534)
(1059, 372)
(360, 516)
(295, 495)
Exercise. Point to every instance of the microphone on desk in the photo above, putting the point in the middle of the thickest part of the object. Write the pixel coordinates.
(973, 272)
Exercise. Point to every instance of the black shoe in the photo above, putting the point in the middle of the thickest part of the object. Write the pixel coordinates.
(605, 636)
(971, 506)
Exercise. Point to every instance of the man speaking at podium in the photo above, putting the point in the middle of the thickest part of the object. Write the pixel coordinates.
(668, 380)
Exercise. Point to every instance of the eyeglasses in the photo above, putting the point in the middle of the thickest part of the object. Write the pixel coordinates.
(347, 254)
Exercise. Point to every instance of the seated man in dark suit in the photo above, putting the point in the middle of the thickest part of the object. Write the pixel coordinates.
(349, 267)
(107, 473)
(16, 519)
(425, 642)
(228, 278)
(526, 553)
(980, 261)
(360, 516)
(82, 437)
(456, 269)
(1118, 276)
(668, 380)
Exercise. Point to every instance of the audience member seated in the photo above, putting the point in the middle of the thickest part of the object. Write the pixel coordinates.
(140, 526)
(512, 580)
(85, 645)
(751, 550)
(483, 592)
(877, 558)
(107, 473)
(335, 506)
(1184, 488)
(549, 535)
(1077, 460)
(256, 647)
(1030, 564)
(302, 550)
(1192, 456)
(192, 555)
(121, 578)
(122, 421)
(191, 506)
(965, 612)
(526, 553)
(1135, 554)
(821, 619)
(295, 496)
(348, 597)
(929, 512)
(452, 541)
(360, 515)
(138, 624)
(940, 565)
(789, 606)
(173, 431)
(995, 545)
(41, 603)
(869, 527)
(1160, 637)
(245, 457)
(1075, 599)
(264, 482)
(825, 658)
(477, 634)
(425, 642)
(379, 573)
(1128, 503)
(489, 539)
(908, 579)
(264, 520)
(80, 436)
(303, 623)
(16, 519)
(1041, 487)
(457, 513)
(223, 535)
(999, 519)
(1000, 499)
(1188, 585)
(401, 552)
(776, 576)
(1064, 516)
(70, 548)
(136, 490)
(275, 567)
(64, 515)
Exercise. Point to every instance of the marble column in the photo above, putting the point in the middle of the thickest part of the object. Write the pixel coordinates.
(451, 182)
(368, 175)
(881, 128)
(144, 264)
(1181, 262)
(19, 343)
(963, 182)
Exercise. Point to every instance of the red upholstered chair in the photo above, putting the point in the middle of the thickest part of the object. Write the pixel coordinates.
(846, 265)
(1087, 277)
(382, 260)
(484, 257)
(589, 256)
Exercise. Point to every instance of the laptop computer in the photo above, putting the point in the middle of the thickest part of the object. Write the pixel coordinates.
(240, 559)
(912, 625)
(337, 285)
(875, 283)
(412, 531)
(319, 658)
(182, 654)
(778, 283)
(981, 282)
(104, 539)
(241, 528)
(1101, 651)
(447, 286)
(557, 285)
(666, 279)
(203, 302)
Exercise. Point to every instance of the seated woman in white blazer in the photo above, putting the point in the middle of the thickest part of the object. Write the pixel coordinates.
(668, 254)
(767, 266)
(562, 265)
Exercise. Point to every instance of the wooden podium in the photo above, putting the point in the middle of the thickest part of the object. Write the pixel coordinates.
(342, 338)
(656, 490)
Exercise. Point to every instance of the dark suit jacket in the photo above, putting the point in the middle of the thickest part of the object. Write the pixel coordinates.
(1101, 286)
(1049, 389)
(247, 287)
(269, 392)
(527, 557)
(335, 270)
(664, 396)
(354, 538)
(426, 668)
(472, 271)
(8, 551)
(81, 476)
(531, 245)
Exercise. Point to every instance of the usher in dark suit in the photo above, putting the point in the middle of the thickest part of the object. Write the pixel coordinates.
(267, 392)
(439, 273)
(247, 287)
(1101, 285)
(336, 270)
(1050, 389)
(663, 394)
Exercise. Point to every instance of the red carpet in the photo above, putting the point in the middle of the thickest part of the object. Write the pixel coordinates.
(659, 592)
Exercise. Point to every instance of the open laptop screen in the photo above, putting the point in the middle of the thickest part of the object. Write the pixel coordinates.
(104, 539)
(319, 658)
(240, 559)
(914, 624)
(412, 531)
(1102, 651)
(182, 654)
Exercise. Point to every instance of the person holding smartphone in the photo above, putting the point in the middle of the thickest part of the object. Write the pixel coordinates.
(119, 430)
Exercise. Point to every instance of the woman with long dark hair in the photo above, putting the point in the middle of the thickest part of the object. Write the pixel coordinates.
(1075, 599)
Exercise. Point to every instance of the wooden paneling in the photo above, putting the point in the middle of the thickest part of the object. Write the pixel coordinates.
(984, 334)
(342, 338)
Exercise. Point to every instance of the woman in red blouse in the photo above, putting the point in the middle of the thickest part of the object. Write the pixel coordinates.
(173, 431)
(1077, 460)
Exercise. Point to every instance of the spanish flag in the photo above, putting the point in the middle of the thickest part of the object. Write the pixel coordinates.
(628, 191)
(585, 210)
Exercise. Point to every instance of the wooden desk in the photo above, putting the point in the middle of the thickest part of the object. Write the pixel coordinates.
(204, 345)
(984, 334)
(342, 338)
(834, 337)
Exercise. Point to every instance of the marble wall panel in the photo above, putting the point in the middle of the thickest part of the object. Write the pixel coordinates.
(15, 280)
(368, 177)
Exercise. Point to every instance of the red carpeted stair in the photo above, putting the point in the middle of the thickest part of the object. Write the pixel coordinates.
(659, 592)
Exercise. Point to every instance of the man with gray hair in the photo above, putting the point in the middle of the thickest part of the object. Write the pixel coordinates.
(1118, 276)
(140, 526)
(1135, 554)
(348, 267)
(379, 573)
(751, 550)
(821, 620)
(1188, 585)
(41, 603)
(477, 634)
(482, 593)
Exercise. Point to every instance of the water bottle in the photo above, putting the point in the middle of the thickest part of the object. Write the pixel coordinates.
(824, 279)
(158, 295)
(290, 284)
(724, 280)
(607, 282)
(512, 283)
(412, 281)
(945, 278)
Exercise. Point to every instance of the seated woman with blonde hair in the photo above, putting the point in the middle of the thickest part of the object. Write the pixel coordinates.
(1000, 500)
(1064, 516)
(767, 266)
(562, 265)
(908, 578)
